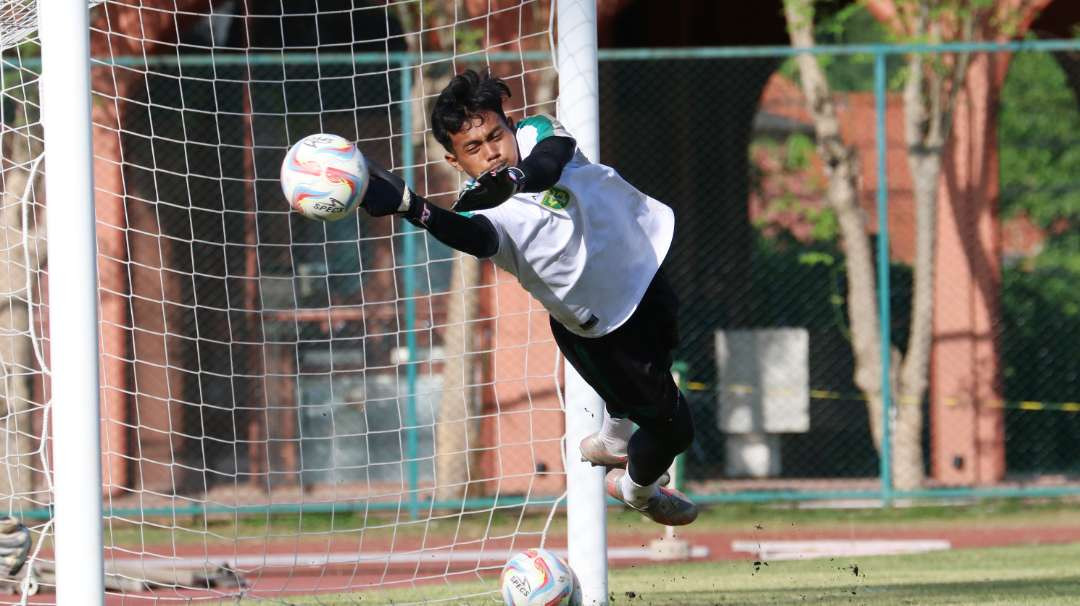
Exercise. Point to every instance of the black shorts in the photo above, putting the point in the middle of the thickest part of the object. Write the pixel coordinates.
(630, 367)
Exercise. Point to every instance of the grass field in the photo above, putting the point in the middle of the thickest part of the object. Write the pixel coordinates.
(198, 530)
(1018, 574)
(1044, 575)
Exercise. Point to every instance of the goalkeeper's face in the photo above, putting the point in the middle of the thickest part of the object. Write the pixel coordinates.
(484, 143)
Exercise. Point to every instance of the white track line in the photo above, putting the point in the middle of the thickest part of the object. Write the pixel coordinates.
(290, 561)
(799, 550)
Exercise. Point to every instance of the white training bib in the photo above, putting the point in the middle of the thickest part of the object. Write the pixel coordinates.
(587, 248)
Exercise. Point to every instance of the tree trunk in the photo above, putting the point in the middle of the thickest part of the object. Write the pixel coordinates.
(924, 136)
(929, 99)
(457, 430)
(913, 382)
(842, 170)
(16, 348)
(929, 96)
(454, 429)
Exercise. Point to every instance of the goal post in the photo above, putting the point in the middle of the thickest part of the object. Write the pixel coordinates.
(579, 103)
(72, 259)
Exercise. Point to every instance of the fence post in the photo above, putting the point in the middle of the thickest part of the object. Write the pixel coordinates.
(883, 277)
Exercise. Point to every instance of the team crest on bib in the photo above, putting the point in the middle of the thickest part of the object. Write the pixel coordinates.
(556, 198)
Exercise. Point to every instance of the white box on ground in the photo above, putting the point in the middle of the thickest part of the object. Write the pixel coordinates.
(763, 389)
(753, 455)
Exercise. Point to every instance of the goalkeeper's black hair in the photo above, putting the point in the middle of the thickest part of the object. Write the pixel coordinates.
(468, 94)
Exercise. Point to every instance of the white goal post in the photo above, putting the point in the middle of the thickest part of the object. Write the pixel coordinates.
(579, 111)
(65, 107)
(301, 443)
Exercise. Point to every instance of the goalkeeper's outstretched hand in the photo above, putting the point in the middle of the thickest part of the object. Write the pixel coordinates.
(386, 193)
(490, 189)
(15, 545)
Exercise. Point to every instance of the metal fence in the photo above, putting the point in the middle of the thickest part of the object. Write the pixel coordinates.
(725, 138)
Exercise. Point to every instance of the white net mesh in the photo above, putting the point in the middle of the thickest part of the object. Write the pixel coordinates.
(25, 482)
(288, 407)
(18, 18)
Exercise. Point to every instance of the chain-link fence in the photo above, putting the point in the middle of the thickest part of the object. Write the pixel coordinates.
(269, 349)
(767, 343)
(762, 264)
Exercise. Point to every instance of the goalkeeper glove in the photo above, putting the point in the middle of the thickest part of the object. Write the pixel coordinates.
(386, 193)
(15, 545)
(491, 189)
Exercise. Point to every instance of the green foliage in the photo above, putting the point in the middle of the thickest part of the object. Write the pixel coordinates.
(848, 23)
(794, 156)
(1040, 330)
(15, 72)
(1040, 160)
(1062, 254)
(816, 271)
(783, 263)
(1039, 143)
(825, 224)
(18, 99)
(467, 36)
(814, 257)
(799, 150)
(468, 39)
(1041, 317)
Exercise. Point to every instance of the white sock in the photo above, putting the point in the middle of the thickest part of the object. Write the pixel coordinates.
(634, 493)
(615, 434)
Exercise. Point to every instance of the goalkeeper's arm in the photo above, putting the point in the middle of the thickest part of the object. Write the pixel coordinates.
(388, 194)
(542, 168)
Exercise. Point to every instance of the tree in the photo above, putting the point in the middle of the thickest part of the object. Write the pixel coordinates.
(1038, 128)
(20, 142)
(456, 425)
(842, 195)
(932, 86)
(457, 429)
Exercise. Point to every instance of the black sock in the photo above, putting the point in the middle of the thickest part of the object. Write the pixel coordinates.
(657, 442)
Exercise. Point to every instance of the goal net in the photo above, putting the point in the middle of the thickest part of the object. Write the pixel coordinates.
(287, 406)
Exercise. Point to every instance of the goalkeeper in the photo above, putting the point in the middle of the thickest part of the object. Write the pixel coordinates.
(589, 247)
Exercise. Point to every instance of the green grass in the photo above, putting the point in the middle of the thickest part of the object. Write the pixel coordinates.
(198, 530)
(1044, 575)
(1005, 512)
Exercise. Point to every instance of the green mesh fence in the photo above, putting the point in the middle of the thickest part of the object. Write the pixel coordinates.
(729, 143)
(725, 138)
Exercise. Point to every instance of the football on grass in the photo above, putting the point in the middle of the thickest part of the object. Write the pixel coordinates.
(536, 577)
(324, 177)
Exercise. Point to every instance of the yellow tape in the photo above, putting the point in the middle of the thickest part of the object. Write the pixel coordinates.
(1020, 405)
(821, 394)
(742, 389)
